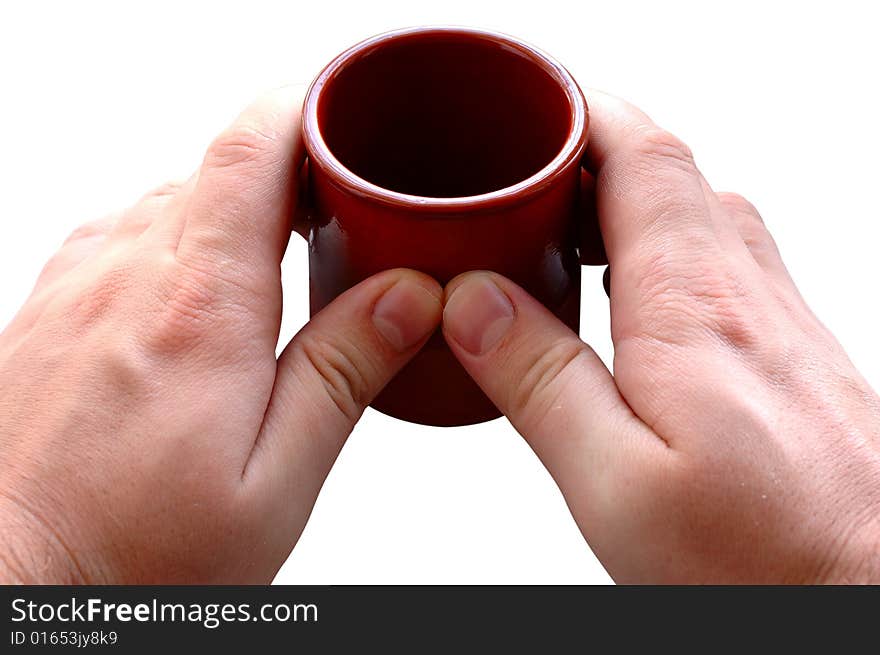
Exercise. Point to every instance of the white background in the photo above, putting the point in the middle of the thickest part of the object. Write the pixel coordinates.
(779, 101)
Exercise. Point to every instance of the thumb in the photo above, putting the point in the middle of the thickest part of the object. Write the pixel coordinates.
(550, 384)
(332, 369)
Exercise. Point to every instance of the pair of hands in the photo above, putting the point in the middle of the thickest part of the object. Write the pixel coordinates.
(149, 434)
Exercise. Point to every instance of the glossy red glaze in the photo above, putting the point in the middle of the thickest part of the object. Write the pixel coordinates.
(444, 150)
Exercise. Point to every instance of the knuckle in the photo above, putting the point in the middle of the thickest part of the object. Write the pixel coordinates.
(738, 203)
(239, 144)
(656, 172)
(90, 230)
(164, 191)
(748, 222)
(755, 235)
(182, 320)
(686, 300)
(343, 372)
(61, 261)
(190, 306)
(194, 306)
(536, 391)
(101, 296)
(757, 239)
(655, 146)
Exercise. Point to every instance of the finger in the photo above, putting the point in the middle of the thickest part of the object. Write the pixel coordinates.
(167, 226)
(241, 207)
(754, 234)
(332, 369)
(97, 229)
(649, 195)
(550, 384)
(610, 117)
(83, 242)
(79, 246)
(137, 218)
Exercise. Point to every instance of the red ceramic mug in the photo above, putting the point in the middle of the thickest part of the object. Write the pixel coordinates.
(444, 150)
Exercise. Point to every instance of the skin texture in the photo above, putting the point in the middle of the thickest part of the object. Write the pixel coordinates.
(735, 441)
(149, 434)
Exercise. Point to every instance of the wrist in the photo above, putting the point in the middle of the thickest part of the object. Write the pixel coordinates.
(32, 551)
(861, 562)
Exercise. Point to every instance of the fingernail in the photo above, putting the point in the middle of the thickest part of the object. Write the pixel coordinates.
(406, 313)
(477, 314)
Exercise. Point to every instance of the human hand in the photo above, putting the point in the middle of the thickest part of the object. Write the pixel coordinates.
(148, 433)
(735, 442)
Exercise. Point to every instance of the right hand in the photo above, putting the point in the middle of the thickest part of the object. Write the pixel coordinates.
(735, 441)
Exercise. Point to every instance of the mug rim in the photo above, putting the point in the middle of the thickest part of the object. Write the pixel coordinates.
(572, 150)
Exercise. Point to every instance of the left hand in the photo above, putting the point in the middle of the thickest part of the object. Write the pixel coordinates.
(147, 432)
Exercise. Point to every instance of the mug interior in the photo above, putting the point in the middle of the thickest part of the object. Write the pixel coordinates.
(444, 114)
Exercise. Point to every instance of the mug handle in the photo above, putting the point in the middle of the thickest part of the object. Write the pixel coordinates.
(303, 210)
(590, 245)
